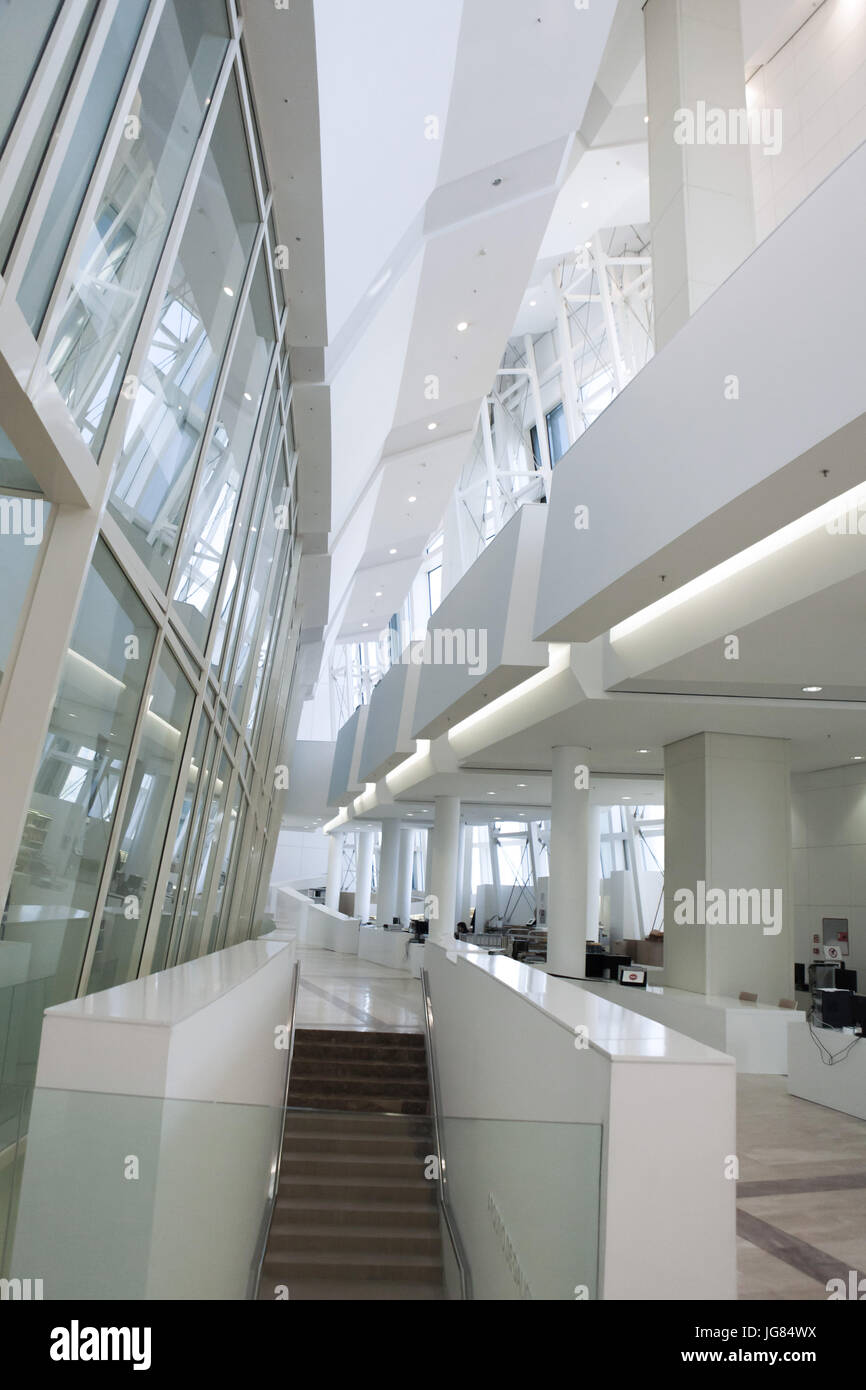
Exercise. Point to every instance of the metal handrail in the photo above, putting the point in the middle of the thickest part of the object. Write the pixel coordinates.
(445, 1206)
(267, 1219)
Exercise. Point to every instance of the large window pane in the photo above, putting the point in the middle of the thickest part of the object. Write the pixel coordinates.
(10, 217)
(174, 395)
(214, 505)
(118, 261)
(24, 29)
(179, 849)
(192, 929)
(63, 848)
(257, 592)
(23, 523)
(249, 524)
(78, 165)
(154, 777)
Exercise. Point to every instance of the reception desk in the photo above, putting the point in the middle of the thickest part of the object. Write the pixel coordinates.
(839, 1087)
(384, 947)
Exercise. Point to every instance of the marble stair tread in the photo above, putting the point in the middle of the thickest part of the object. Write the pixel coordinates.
(301, 1237)
(357, 1211)
(325, 1290)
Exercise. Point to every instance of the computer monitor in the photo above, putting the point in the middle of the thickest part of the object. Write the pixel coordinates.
(836, 1008)
(633, 975)
(595, 965)
(821, 976)
(858, 1011)
(846, 979)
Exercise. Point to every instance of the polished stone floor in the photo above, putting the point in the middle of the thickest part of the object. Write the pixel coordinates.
(339, 991)
(801, 1197)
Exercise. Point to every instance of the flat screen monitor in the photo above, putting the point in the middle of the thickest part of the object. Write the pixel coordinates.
(846, 979)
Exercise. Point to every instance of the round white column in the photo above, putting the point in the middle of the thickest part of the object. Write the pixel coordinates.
(464, 901)
(569, 853)
(446, 852)
(404, 875)
(593, 872)
(363, 873)
(386, 897)
(335, 871)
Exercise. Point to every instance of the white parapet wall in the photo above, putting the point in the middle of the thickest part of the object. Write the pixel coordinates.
(755, 1035)
(315, 924)
(154, 1128)
(590, 1151)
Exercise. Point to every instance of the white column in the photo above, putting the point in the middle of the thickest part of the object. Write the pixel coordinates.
(593, 872)
(701, 200)
(464, 899)
(386, 901)
(446, 851)
(335, 871)
(569, 871)
(404, 875)
(728, 895)
(363, 873)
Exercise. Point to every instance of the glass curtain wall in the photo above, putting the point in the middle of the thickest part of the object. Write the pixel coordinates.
(139, 227)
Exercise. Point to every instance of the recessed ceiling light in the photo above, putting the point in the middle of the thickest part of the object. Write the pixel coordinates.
(462, 327)
(413, 498)
(857, 758)
(532, 303)
(588, 245)
(227, 289)
(643, 750)
(584, 205)
(392, 551)
(365, 625)
(812, 689)
(491, 793)
(626, 798)
(646, 120)
(378, 593)
(521, 784)
(432, 425)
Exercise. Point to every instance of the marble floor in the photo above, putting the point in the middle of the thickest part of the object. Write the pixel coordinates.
(340, 991)
(801, 1197)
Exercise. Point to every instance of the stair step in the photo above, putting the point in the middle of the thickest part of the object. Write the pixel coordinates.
(390, 1106)
(353, 1266)
(355, 1038)
(326, 1290)
(323, 1083)
(336, 1240)
(343, 1188)
(385, 1145)
(352, 1165)
(364, 1069)
(358, 1124)
(357, 1211)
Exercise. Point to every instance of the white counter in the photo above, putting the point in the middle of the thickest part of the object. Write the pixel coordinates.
(839, 1087)
(756, 1035)
(384, 947)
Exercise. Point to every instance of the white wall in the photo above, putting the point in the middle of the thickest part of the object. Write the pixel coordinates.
(818, 82)
(300, 855)
(829, 857)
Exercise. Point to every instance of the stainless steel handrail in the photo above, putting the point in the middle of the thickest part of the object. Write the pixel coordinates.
(433, 1081)
(265, 1230)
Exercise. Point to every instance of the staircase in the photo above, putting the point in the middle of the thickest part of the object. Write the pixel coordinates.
(355, 1217)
